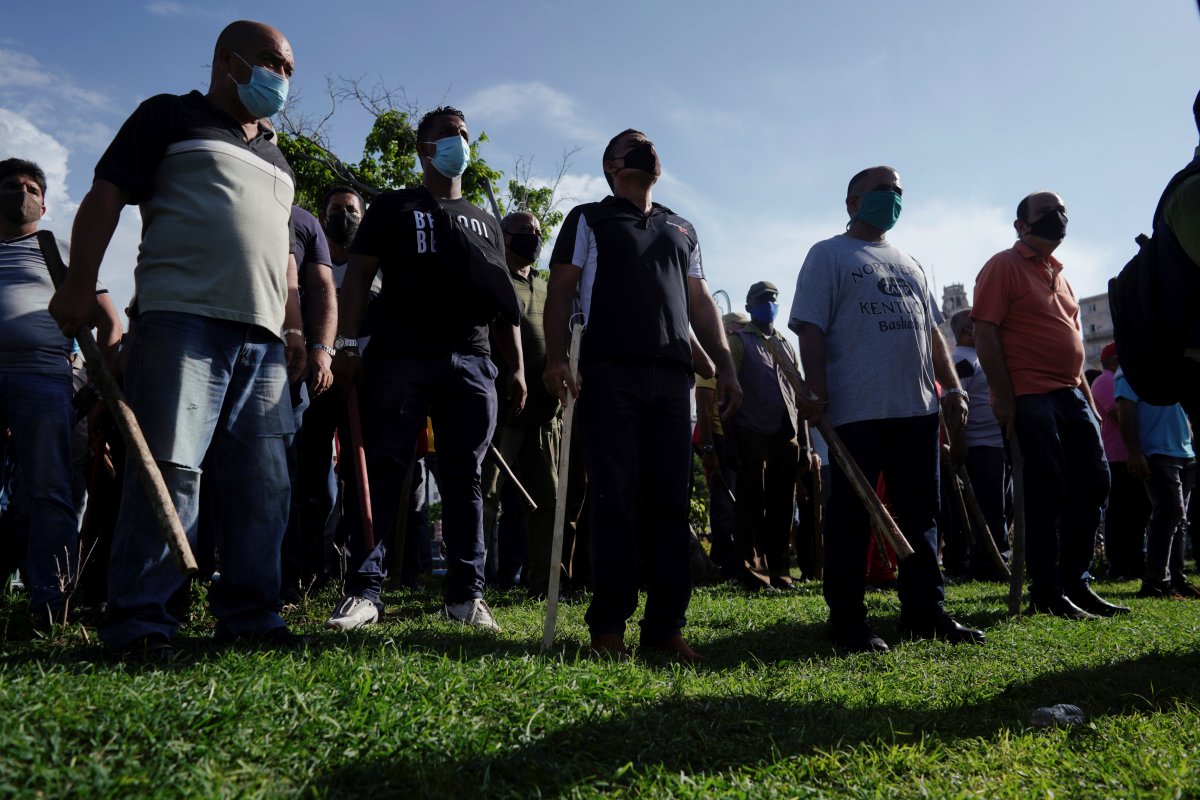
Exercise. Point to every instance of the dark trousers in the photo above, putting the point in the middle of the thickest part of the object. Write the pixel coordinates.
(1170, 488)
(1125, 519)
(720, 509)
(637, 448)
(766, 498)
(906, 451)
(1066, 483)
(458, 392)
(989, 480)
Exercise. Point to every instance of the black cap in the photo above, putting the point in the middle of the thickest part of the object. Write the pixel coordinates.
(762, 287)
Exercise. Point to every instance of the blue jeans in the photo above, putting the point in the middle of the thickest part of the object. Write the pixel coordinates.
(37, 409)
(458, 391)
(636, 434)
(212, 399)
(905, 450)
(1066, 483)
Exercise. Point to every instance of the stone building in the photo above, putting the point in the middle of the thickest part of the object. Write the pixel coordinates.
(1096, 321)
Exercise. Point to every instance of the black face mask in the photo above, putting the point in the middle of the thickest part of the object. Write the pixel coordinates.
(1051, 226)
(20, 207)
(340, 227)
(526, 245)
(642, 157)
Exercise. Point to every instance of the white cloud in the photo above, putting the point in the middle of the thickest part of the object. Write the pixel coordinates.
(20, 72)
(23, 139)
(532, 103)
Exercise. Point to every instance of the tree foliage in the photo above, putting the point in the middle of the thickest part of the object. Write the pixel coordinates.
(389, 157)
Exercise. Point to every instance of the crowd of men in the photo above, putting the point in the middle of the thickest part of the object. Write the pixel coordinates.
(263, 337)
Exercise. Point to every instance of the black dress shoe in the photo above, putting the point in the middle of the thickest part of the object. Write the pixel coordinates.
(940, 626)
(1059, 606)
(1089, 601)
(858, 638)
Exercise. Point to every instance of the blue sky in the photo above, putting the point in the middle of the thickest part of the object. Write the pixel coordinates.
(761, 111)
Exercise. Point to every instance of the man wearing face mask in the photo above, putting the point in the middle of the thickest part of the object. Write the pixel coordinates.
(341, 211)
(1027, 337)
(528, 441)
(638, 270)
(429, 357)
(36, 389)
(871, 350)
(216, 340)
(772, 445)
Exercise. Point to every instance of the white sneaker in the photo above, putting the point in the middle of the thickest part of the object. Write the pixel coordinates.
(471, 612)
(351, 613)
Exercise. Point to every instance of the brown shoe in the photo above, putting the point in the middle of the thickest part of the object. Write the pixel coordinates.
(609, 645)
(678, 649)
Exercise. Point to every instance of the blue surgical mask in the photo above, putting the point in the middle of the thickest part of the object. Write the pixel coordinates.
(880, 209)
(265, 94)
(452, 156)
(765, 311)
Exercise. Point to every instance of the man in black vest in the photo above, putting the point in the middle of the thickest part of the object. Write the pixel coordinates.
(638, 270)
(772, 447)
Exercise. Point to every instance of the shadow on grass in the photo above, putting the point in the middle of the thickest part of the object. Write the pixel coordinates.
(714, 734)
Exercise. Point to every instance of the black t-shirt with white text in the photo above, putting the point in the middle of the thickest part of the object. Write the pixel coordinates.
(421, 302)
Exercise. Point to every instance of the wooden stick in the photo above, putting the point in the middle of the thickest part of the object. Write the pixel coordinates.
(560, 503)
(131, 432)
(360, 468)
(884, 527)
(1016, 585)
(512, 476)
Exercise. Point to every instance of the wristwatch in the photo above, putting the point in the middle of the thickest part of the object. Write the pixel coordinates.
(323, 348)
(955, 390)
(342, 342)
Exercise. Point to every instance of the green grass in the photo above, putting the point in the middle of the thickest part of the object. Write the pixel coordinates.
(419, 707)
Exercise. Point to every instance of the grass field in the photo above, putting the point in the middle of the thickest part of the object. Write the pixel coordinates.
(417, 707)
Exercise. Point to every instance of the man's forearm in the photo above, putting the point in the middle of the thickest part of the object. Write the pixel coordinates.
(356, 286)
(812, 356)
(508, 341)
(1127, 422)
(943, 366)
(95, 222)
(292, 318)
(322, 303)
(991, 357)
(557, 314)
(706, 321)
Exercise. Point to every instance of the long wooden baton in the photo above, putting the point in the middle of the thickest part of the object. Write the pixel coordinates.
(972, 503)
(131, 432)
(1016, 584)
(884, 527)
(560, 502)
(512, 476)
(360, 468)
(818, 526)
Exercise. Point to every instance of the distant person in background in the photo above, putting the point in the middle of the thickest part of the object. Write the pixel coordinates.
(719, 455)
(981, 447)
(1159, 442)
(772, 445)
(36, 391)
(1128, 507)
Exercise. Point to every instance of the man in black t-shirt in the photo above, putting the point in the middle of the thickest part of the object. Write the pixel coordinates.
(430, 356)
(637, 266)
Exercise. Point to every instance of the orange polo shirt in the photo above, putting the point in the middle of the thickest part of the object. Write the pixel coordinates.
(1038, 316)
